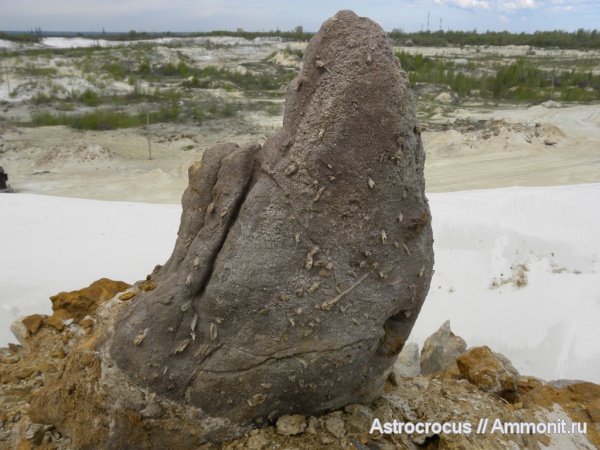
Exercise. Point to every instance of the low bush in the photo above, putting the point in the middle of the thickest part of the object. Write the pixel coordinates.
(104, 119)
(89, 98)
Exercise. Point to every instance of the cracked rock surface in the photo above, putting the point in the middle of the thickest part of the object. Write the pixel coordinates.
(299, 269)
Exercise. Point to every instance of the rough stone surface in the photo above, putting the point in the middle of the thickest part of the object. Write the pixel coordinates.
(490, 371)
(291, 425)
(257, 442)
(440, 350)
(299, 268)
(335, 425)
(59, 318)
(581, 401)
(78, 304)
(33, 323)
(408, 363)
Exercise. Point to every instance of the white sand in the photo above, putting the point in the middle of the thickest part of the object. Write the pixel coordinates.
(51, 244)
(547, 327)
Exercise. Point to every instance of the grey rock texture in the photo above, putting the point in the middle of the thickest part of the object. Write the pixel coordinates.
(300, 267)
(407, 365)
(440, 350)
(291, 425)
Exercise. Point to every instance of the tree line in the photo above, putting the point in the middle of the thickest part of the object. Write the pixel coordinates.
(580, 39)
(521, 81)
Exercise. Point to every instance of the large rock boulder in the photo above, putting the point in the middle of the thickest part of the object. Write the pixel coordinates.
(299, 268)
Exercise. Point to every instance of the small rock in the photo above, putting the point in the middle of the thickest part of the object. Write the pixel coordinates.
(32, 371)
(127, 295)
(58, 353)
(408, 364)
(291, 425)
(147, 286)
(313, 424)
(335, 426)
(152, 410)
(20, 332)
(33, 323)
(361, 411)
(18, 392)
(559, 384)
(257, 442)
(447, 98)
(327, 440)
(481, 367)
(87, 323)
(58, 319)
(549, 142)
(441, 350)
(35, 430)
(551, 104)
(10, 359)
(85, 301)
(360, 419)
(359, 445)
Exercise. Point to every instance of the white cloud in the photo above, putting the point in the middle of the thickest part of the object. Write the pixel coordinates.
(516, 5)
(498, 5)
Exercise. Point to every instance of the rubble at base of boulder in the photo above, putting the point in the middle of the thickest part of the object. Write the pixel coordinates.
(446, 396)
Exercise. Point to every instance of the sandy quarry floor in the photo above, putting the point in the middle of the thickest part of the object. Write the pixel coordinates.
(466, 149)
(115, 165)
(537, 146)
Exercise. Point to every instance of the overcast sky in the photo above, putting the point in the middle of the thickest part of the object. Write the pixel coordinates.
(265, 15)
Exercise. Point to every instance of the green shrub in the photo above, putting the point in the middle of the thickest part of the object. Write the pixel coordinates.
(169, 70)
(116, 70)
(41, 98)
(183, 69)
(144, 69)
(104, 119)
(90, 98)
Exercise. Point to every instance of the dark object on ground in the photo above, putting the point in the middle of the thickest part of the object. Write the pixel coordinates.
(4, 186)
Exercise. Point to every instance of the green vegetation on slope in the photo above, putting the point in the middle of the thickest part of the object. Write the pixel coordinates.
(104, 88)
(525, 80)
(580, 39)
(577, 40)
